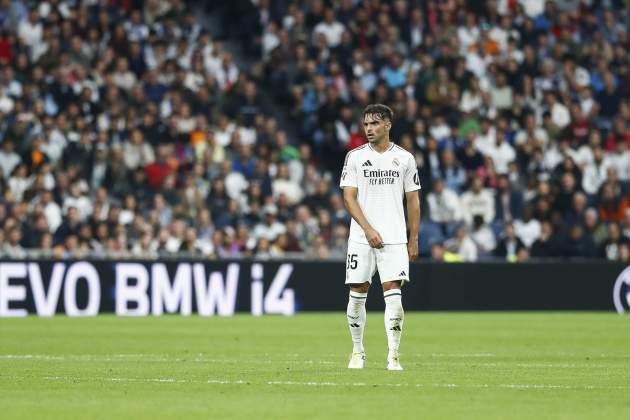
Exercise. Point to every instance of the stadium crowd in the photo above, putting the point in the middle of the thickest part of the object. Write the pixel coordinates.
(127, 130)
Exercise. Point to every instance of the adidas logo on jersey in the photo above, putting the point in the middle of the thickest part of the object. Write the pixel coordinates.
(402, 273)
(367, 163)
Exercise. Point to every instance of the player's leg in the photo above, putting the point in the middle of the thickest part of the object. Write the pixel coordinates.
(356, 316)
(394, 318)
(393, 266)
(360, 268)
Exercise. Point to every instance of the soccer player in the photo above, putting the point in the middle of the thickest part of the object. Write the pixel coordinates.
(375, 178)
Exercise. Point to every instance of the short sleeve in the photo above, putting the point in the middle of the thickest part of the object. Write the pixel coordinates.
(412, 179)
(348, 173)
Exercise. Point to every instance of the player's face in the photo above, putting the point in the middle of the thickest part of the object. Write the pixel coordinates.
(376, 129)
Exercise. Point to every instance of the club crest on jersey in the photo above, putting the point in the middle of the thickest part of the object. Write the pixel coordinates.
(396, 161)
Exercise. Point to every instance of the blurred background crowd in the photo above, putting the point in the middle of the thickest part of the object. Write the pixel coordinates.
(145, 129)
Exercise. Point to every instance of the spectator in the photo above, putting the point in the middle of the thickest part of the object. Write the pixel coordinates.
(263, 249)
(501, 95)
(137, 152)
(270, 228)
(534, 135)
(508, 203)
(320, 198)
(545, 246)
(69, 226)
(611, 248)
(452, 173)
(158, 170)
(230, 217)
(565, 197)
(193, 246)
(8, 159)
(577, 244)
(560, 116)
(78, 200)
(330, 28)
(486, 137)
(509, 246)
(577, 212)
(469, 156)
(608, 102)
(12, 247)
(501, 153)
(444, 206)
(592, 228)
(483, 236)
(441, 254)
(477, 201)
(31, 30)
(613, 205)
(320, 250)
(19, 182)
(462, 245)
(527, 229)
(51, 211)
(594, 173)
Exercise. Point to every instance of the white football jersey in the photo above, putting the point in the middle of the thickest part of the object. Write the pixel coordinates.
(382, 180)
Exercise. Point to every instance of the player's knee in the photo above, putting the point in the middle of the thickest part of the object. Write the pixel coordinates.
(389, 285)
(360, 287)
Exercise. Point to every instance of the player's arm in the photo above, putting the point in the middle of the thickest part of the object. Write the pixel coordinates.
(413, 222)
(352, 205)
(412, 196)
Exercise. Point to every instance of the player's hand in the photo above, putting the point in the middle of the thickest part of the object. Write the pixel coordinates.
(412, 249)
(374, 239)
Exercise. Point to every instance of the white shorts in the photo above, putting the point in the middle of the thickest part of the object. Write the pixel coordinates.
(362, 261)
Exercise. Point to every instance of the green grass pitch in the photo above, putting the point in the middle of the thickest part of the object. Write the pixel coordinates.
(457, 365)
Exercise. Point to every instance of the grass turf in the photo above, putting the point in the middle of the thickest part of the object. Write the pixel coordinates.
(457, 365)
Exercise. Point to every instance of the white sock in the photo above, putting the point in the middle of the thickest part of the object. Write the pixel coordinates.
(394, 317)
(356, 319)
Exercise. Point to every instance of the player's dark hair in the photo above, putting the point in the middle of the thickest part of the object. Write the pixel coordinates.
(379, 111)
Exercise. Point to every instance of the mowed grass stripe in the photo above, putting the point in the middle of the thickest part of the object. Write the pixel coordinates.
(312, 383)
(149, 358)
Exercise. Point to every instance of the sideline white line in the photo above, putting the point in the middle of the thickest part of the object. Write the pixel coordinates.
(297, 355)
(150, 358)
(340, 384)
(456, 355)
(294, 355)
(163, 380)
(510, 364)
(31, 356)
